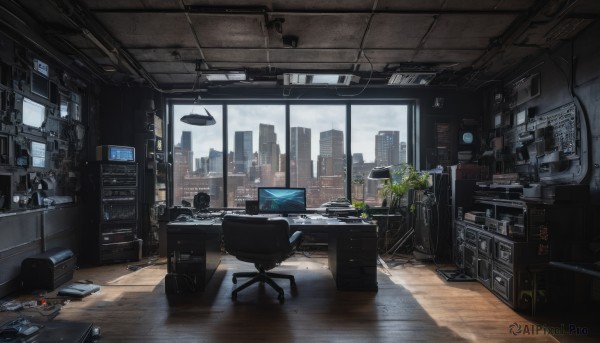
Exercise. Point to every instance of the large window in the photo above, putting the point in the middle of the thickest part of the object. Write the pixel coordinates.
(256, 144)
(317, 151)
(197, 156)
(256, 149)
(379, 138)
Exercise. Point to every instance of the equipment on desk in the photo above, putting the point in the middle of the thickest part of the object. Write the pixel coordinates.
(201, 201)
(252, 207)
(280, 200)
(265, 242)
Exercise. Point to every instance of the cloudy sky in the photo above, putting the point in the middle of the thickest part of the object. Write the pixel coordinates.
(367, 120)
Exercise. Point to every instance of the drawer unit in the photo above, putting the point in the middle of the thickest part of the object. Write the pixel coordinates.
(470, 261)
(484, 271)
(502, 284)
(353, 260)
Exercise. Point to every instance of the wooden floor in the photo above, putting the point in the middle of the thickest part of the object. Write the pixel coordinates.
(412, 304)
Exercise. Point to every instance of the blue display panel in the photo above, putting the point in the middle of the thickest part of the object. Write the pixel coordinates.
(280, 200)
(121, 153)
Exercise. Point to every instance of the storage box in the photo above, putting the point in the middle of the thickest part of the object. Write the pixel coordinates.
(48, 270)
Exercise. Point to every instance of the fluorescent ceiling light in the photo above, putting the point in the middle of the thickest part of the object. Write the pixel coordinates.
(225, 75)
(411, 79)
(293, 79)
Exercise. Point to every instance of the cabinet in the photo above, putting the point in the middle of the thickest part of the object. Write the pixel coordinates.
(193, 255)
(353, 259)
(505, 253)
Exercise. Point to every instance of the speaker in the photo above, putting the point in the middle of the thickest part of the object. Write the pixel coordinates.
(432, 239)
(251, 206)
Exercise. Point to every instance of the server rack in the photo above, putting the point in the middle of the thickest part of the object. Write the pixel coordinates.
(113, 189)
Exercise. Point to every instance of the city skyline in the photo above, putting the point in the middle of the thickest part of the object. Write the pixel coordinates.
(365, 118)
(256, 152)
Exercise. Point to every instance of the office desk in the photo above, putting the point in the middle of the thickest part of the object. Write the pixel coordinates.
(193, 254)
(352, 249)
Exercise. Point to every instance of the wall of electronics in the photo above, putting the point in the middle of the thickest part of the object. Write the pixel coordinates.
(540, 147)
(42, 130)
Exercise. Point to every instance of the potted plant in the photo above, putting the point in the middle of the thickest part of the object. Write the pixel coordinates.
(404, 178)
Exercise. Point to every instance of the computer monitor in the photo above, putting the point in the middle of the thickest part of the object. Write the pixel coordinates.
(280, 200)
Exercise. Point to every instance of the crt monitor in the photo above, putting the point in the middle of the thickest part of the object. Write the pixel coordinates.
(280, 200)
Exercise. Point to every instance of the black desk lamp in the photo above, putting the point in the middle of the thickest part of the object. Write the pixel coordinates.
(379, 173)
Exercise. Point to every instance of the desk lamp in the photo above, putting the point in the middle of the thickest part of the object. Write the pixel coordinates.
(380, 173)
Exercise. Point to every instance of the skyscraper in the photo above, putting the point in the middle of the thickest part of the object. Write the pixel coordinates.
(215, 161)
(387, 148)
(300, 161)
(267, 138)
(186, 146)
(403, 152)
(331, 152)
(242, 151)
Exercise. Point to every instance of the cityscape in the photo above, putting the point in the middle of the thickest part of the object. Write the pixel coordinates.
(250, 167)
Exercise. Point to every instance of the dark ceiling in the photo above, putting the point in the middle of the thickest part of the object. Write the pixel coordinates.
(170, 44)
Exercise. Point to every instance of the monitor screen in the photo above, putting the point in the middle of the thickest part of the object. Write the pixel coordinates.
(281, 200)
(121, 153)
(466, 137)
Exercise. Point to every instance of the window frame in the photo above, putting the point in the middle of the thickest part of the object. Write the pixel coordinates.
(413, 124)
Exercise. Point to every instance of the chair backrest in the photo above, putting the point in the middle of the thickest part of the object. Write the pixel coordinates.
(256, 239)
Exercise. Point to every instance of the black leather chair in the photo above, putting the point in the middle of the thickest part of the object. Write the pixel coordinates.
(266, 242)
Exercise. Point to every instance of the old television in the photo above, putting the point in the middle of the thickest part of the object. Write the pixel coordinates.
(115, 153)
(280, 200)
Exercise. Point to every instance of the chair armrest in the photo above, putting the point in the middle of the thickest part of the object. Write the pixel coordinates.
(296, 239)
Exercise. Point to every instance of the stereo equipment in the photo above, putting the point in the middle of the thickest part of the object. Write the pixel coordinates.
(484, 245)
(471, 237)
(503, 252)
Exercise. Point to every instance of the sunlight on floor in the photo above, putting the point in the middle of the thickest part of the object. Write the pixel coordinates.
(437, 296)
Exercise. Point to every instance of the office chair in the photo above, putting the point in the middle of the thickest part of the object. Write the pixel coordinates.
(266, 242)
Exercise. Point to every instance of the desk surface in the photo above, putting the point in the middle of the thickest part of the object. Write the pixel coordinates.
(316, 224)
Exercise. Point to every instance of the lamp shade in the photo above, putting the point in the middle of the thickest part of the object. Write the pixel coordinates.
(199, 119)
(380, 173)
